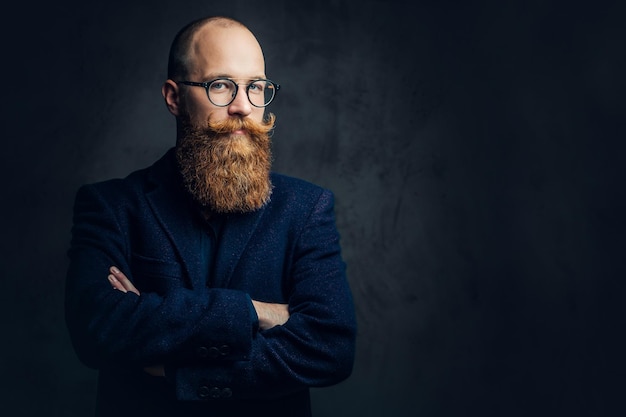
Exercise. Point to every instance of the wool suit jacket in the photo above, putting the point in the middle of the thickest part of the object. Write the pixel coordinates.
(201, 324)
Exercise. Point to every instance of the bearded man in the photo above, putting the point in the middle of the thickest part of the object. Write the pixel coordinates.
(205, 284)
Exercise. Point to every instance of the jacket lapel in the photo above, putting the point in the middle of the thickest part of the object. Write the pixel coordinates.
(173, 210)
(233, 239)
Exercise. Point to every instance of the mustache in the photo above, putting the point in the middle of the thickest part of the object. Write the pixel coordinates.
(253, 128)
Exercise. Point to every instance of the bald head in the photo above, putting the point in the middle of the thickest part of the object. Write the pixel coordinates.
(204, 51)
(210, 38)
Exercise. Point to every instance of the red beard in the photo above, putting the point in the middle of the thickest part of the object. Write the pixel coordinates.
(227, 172)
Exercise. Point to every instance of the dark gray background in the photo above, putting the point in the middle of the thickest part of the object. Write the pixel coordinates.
(476, 153)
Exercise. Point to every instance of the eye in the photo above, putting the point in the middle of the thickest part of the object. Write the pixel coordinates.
(219, 86)
(257, 87)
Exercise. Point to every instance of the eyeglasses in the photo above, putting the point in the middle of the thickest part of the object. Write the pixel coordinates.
(222, 91)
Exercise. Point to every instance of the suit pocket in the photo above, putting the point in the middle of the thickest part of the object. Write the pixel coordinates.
(155, 275)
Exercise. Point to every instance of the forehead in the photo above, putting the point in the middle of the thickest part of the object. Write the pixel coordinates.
(227, 51)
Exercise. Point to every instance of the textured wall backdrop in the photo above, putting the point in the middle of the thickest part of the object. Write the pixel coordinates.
(476, 153)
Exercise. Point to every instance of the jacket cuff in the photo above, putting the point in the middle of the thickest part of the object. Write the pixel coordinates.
(225, 332)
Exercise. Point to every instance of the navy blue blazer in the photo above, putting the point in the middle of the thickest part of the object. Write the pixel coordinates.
(205, 330)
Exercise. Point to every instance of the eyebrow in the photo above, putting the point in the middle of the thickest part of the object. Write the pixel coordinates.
(214, 76)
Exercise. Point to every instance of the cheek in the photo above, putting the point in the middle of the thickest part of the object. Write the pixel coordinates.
(257, 114)
(199, 110)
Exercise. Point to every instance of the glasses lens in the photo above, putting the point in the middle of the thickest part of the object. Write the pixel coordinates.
(261, 93)
(222, 92)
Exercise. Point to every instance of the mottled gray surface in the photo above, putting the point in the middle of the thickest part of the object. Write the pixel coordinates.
(476, 153)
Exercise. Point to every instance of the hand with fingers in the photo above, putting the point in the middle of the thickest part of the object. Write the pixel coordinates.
(120, 282)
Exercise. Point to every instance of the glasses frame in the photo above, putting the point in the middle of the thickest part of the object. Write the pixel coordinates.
(206, 85)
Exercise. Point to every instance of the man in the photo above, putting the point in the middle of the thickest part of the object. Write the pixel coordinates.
(226, 292)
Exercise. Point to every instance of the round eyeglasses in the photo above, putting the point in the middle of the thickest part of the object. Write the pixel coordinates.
(222, 91)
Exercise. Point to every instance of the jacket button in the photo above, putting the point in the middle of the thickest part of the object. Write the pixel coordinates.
(215, 392)
(227, 393)
(224, 350)
(202, 352)
(204, 391)
(214, 352)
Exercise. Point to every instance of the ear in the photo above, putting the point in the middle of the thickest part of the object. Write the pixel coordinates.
(172, 97)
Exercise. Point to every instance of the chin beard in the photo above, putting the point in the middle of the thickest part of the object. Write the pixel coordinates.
(223, 171)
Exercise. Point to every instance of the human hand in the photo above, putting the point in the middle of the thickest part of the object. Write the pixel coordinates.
(271, 314)
(120, 282)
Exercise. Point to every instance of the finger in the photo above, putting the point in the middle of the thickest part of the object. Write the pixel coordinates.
(123, 280)
(116, 284)
(120, 279)
(119, 274)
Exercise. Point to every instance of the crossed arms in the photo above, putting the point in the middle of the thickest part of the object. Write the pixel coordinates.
(272, 348)
(269, 314)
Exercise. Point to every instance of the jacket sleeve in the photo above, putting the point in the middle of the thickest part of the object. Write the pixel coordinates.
(107, 326)
(314, 348)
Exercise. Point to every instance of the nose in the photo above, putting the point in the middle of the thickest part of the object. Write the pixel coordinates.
(240, 106)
